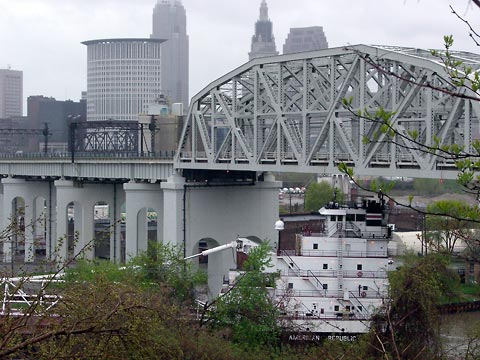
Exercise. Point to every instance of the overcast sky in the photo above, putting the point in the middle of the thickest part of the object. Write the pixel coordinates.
(42, 37)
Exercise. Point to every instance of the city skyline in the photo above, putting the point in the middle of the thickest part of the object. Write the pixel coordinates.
(53, 61)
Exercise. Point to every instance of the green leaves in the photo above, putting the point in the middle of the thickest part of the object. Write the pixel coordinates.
(247, 308)
(319, 194)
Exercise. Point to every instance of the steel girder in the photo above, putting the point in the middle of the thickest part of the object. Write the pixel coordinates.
(285, 113)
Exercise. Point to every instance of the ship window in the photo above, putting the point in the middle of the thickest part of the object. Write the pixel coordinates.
(325, 266)
(365, 288)
(325, 286)
(347, 307)
(315, 246)
(359, 308)
(360, 217)
(336, 308)
(322, 311)
(333, 218)
(359, 266)
(350, 217)
(290, 285)
(340, 218)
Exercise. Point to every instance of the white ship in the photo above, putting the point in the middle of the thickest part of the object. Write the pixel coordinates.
(334, 281)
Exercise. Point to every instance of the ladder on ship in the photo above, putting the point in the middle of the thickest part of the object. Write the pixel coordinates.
(340, 260)
(314, 280)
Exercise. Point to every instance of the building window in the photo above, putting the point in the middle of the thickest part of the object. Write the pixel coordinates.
(315, 246)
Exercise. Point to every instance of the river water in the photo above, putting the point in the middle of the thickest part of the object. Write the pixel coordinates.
(457, 332)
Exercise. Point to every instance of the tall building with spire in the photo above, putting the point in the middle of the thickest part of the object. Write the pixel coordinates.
(170, 24)
(263, 41)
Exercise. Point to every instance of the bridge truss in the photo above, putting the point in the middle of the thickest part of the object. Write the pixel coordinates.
(285, 113)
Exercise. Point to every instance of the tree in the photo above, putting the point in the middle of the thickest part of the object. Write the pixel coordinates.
(247, 311)
(408, 326)
(318, 195)
(444, 229)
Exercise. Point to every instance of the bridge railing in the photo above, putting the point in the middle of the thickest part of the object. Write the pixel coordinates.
(167, 155)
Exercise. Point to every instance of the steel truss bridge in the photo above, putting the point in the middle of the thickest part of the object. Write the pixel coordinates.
(285, 113)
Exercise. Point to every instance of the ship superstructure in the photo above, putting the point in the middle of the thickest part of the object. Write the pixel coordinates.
(335, 280)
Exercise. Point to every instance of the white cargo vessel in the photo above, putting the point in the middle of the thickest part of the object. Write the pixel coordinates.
(334, 281)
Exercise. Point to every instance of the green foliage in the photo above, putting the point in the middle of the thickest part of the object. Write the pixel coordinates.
(164, 264)
(247, 310)
(319, 195)
(409, 327)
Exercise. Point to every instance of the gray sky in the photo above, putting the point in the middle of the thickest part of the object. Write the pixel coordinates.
(42, 37)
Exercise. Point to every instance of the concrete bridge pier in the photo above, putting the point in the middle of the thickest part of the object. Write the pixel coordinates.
(215, 215)
(84, 197)
(140, 200)
(24, 214)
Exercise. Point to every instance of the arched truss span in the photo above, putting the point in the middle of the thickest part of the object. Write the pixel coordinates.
(285, 113)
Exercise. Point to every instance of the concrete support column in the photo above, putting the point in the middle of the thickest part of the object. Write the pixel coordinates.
(84, 197)
(218, 214)
(116, 221)
(51, 221)
(64, 188)
(30, 226)
(139, 197)
(173, 192)
(30, 192)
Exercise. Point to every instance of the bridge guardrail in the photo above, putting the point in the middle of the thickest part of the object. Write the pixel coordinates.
(167, 155)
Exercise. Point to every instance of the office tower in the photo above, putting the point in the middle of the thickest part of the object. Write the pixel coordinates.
(305, 39)
(263, 42)
(11, 93)
(170, 24)
(123, 77)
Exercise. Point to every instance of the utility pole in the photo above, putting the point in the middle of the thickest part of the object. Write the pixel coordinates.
(45, 134)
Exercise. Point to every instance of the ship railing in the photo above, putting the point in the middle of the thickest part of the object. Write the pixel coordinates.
(291, 264)
(350, 226)
(369, 294)
(368, 234)
(346, 253)
(361, 308)
(316, 282)
(316, 315)
(332, 230)
(382, 274)
(298, 271)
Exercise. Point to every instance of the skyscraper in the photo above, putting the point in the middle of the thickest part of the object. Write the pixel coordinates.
(11, 93)
(170, 24)
(263, 41)
(305, 39)
(123, 77)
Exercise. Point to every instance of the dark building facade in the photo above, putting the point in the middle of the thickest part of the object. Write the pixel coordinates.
(56, 114)
(305, 39)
